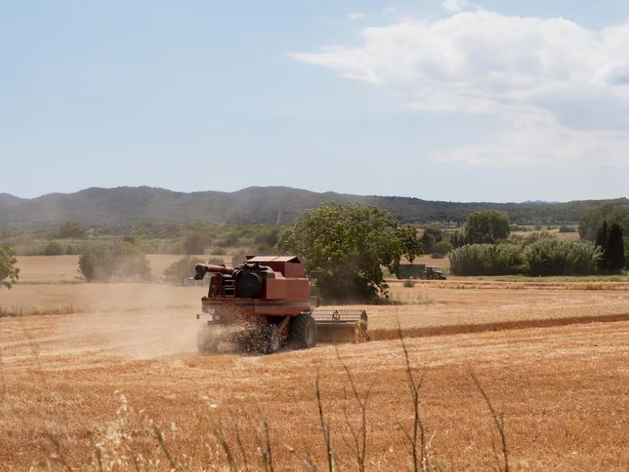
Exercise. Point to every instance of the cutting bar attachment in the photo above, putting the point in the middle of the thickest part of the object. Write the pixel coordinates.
(341, 325)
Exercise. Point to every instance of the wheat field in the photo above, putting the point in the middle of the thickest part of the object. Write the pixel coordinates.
(427, 305)
(564, 394)
(112, 381)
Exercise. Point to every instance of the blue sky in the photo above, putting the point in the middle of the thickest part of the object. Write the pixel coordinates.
(450, 100)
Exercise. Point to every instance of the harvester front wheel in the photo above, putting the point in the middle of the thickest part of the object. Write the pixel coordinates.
(303, 331)
(271, 339)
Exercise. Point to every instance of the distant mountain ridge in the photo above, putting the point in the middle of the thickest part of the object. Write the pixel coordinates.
(125, 206)
(539, 202)
(8, 199)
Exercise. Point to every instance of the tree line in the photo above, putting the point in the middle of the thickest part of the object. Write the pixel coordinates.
(346, 249)
(483, 248)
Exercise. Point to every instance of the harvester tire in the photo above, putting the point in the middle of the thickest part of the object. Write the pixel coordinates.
(303, 331)
(206, 341)
(249, 338)
(271, 339)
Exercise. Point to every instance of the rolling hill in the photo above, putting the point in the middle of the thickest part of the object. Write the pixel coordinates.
(125, 206)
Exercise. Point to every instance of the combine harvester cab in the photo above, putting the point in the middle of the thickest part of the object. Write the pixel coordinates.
(264, 304)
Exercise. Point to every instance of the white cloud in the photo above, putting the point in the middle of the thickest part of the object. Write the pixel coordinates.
(355, 16)
(541, 141)
(576, 78)
(389, 10)
(454, 6)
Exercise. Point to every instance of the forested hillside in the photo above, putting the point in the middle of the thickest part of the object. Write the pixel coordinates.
(128, 205)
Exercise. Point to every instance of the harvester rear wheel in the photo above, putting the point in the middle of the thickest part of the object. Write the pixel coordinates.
(303, 331)
(206, 340)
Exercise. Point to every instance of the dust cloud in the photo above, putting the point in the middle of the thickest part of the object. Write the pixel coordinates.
(135, 321)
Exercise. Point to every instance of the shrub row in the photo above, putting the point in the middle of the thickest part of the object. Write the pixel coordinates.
(543, 257)
(487, 259)
(119, 259)
(553, 257)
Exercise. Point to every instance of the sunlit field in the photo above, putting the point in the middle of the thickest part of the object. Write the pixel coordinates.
(111, 381)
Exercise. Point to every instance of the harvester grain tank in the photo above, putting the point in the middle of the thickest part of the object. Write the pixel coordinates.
(265, 303)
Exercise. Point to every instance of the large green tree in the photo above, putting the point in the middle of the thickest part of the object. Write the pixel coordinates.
(8, 272)
(601, 243)
(609, 240)
(431, 237)
(487, 227)
(345, 248)
(615, 248)
(592, 220)
(411, 244)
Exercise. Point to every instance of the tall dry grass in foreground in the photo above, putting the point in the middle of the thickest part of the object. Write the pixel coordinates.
(113, 443)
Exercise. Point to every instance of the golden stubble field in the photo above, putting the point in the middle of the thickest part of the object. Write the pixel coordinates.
(119, 381)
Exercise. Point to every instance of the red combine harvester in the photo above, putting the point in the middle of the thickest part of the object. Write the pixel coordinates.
(265, 303)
